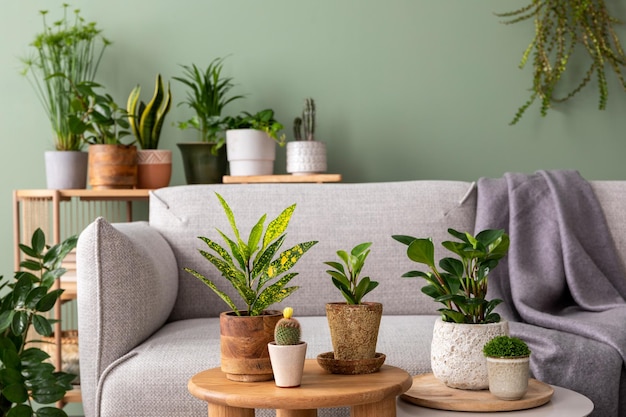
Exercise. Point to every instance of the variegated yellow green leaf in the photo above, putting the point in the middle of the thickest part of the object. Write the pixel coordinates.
(228, 270)
(255, 234)
(230, 216)
(288, 258)
(216, 290)
(275, 293)
(278, 226)
(218, 249)
(265, 258)
(235, 250)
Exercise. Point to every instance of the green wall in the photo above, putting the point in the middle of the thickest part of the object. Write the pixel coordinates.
(405, 89)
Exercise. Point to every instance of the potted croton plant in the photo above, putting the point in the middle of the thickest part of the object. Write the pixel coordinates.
(468, 319)
(260, 275)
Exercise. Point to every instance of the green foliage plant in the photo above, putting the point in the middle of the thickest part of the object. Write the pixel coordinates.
(207, 96)
(346, 276)
(26, 375)
(71, 47)
(566, 30)
(263, 120)
(506, 347)
(461, 284)
(306, 122)
(146, 120)
(251, 266)
(287, 330)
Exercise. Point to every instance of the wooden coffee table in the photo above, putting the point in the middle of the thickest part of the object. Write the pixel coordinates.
(369, 395)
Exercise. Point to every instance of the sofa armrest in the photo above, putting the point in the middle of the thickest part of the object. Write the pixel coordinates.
(127, 282)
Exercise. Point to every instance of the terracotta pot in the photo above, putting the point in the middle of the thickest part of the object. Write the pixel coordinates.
(201, 166)
(243, 343)
(287, 363)
(112, 166)
(508, 377)
(66, 170)
(154, 168)
(354, 329)
(250, 152)
(456, 354)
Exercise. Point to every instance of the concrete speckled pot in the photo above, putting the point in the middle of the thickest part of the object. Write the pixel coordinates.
(456, 354)
(508, 377)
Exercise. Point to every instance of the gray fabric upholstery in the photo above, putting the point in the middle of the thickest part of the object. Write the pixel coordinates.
(140, 345)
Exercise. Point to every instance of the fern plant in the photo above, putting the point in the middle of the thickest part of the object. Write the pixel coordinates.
(252, 267)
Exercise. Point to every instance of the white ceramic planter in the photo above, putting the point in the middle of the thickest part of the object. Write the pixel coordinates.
(306, 157)
(66, 170)
(456, 354)
(508, 377)
(287, 363)
(250, 152)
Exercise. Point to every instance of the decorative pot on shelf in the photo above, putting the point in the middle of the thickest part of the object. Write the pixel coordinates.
(508, 377)
(66, 170)
(154, 168)
(287, 363)
(250, 152)
(306, 157)
(354, 329)
(112, 166)
(456, 355)
(201, 166)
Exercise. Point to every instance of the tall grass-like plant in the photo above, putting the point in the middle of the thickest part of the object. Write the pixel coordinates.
(71, 47)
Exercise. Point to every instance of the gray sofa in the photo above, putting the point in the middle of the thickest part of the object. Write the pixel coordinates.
(146, 326)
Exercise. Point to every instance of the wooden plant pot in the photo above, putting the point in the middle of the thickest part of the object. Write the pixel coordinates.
(354, 329)
(112, 166)
(508, 377)
(243, 344)
(287, 363)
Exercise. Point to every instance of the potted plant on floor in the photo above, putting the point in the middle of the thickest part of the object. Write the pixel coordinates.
(287, 351)
(205, 161)
(353, 324)
(251, 142)
(154, 166)
(26, 375)
(74, 48)
(306, 155)
(260, 278)
(508, 366)
(467, 319)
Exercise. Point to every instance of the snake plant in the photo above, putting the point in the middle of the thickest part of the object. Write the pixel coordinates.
(146, 120)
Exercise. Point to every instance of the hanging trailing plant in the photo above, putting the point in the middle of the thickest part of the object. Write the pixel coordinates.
(563, 29)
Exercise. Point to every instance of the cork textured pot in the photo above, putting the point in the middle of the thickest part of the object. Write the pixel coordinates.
(354, 329)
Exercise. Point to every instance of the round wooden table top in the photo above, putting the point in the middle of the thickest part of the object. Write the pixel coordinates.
(319, 389)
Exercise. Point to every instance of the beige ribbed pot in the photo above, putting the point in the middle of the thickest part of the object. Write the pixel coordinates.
(287, 363)
(354, 329)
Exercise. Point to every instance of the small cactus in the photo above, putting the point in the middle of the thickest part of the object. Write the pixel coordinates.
(308, 119)
(287, 330)
(297, 125)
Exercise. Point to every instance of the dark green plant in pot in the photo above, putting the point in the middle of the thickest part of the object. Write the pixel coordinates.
(347, 279)
(253, 267)
(506, 347)
(461, 284)
(26, 376)
(263, 120)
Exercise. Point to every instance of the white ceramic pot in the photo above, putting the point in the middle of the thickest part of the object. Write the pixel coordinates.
(250, 152)
(306, 157)
(456, 354)
(66, 170)
(508, 377)
(287, 363)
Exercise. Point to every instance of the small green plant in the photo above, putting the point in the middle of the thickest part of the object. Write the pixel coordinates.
(462, 284)
(251, 267)
(346, 279)
(307, 121)
(506, 347)
(70, 47)
(146, 120)
(26, 376)
(207, 97)
(263, 120)
(287, 330)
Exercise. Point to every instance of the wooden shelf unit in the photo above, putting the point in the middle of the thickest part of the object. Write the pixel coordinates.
(60, 214)
(257, 179)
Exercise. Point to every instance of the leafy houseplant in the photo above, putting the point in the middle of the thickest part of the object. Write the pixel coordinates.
(146, 120)
(567, 30)
(306, 155)
(73, 48)
(347, 279)
(462, 284)
(26, 376)
(506, 347)
(251, 267)
(508, 366)
(263, 120)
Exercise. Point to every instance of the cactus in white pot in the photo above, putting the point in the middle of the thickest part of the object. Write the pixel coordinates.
(305, 155)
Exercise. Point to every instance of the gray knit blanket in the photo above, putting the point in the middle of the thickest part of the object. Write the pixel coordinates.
(562, 283)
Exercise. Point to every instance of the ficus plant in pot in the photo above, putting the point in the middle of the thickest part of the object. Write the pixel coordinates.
(260, 274)
(354, 324)
(460, 284)
(508, 366)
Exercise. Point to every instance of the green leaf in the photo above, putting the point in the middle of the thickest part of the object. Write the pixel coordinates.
(229, 215)
(47, 302)
(273, 294)
(6, 318)
(11, 359)
(278, 226)
(287, 259)
(19, 324)
(359, 249)
(337, 266)
(414, 274)
(406, 240)
(453, 266)
(452, 316)
(422, 251)
(38, 241)
(34, 296)
(47, 394)
(345, 291)
(216, 290)
(264, 260)
(255, 234)
(33, 356)
(50, 412)
(42, 325)
(220, 250)
(20, 410)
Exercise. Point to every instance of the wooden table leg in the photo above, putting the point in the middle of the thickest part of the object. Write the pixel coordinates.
(216, 410)
(296, 413)
(384, 408)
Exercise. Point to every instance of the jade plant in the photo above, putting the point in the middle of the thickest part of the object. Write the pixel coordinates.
(305, 123)
(252, 267)
(506, 347)
(287, 330)
(461, 284)
(146, 120)
(28, 381)
(346, 276)
(566, 30)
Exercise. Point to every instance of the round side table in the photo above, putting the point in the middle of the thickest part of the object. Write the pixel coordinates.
(369, 395)
(564, 402)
